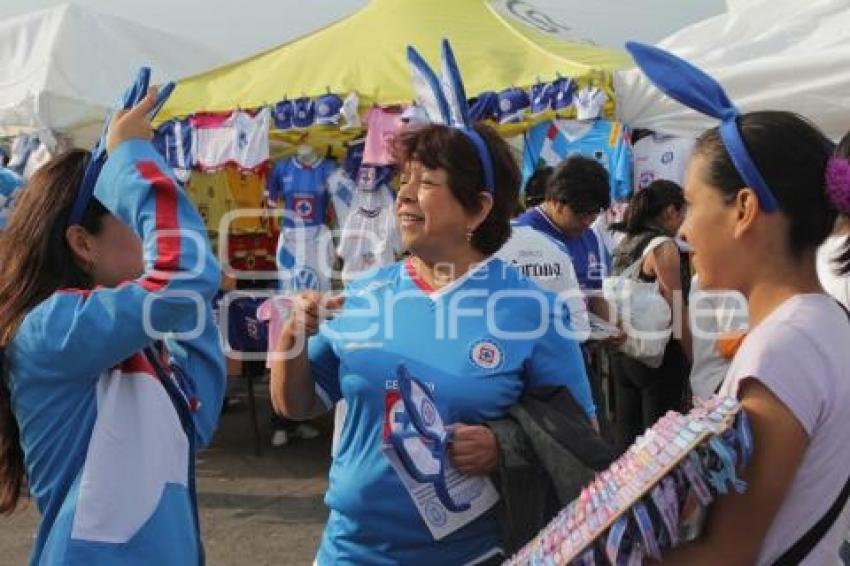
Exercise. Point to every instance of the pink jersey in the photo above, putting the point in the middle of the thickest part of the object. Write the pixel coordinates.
(382, 127)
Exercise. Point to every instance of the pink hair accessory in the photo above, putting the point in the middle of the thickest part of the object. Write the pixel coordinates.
(838, 183)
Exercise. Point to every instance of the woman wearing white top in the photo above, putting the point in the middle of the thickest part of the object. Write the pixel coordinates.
(791, 371)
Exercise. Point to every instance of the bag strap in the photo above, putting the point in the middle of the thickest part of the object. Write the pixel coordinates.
(804, 546)
(642, 251)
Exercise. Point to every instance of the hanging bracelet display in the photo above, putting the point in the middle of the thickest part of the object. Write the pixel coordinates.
(653, 497)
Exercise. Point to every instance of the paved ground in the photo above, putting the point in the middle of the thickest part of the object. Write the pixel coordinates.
(266, 511)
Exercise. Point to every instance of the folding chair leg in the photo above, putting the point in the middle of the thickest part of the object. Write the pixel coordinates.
(252, 411)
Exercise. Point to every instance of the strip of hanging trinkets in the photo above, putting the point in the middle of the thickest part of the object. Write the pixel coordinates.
(655, 496)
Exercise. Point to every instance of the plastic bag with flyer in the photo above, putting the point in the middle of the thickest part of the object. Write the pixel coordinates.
(645, 315)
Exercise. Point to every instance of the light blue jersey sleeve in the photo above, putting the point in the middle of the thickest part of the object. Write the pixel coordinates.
(557, 360)
(81, 333)
(202, 364)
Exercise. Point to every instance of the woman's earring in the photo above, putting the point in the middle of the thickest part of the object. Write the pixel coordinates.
(469, 234)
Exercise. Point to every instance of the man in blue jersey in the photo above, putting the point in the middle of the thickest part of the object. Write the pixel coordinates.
(575, 195)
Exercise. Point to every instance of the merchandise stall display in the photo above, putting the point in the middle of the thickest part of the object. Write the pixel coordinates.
(315, 131)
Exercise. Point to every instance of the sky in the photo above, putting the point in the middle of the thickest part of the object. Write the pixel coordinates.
(240, 28)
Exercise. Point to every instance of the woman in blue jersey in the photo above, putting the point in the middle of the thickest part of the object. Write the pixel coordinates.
(113, 373)
(469, 328)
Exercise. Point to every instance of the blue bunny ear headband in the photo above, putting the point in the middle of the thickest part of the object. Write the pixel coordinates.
(132, 96)
(444, 101)
(690, 86)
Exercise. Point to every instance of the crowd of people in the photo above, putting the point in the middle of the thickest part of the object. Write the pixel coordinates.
(113, 375)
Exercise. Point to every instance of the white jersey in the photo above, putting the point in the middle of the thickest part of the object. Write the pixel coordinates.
(661, 157)
(305, 258)
(547, 263)
(342, 189)
(370, 236)
(589, 102)
(239, 139)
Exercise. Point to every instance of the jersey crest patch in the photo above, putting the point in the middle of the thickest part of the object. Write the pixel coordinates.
(486, 354)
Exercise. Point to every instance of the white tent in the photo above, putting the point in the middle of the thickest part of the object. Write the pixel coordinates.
(61, 68)
(767, 54)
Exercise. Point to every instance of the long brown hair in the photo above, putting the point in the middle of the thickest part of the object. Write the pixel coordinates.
(647, 204)
(35, 261)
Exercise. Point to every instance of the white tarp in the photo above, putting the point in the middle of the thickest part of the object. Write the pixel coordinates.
(768, 54)
(61, 68)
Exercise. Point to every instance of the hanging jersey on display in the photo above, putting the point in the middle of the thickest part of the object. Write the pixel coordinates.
(607, 142)
(382, 126)
(370, 237)
(341, 189)
(245, 332)
(589, 102)
(251, 252)
(353, 158)
(303, 190)
(305, 258)
(210, 193)
(174, 140)
(246, 190)
(661, 157)
(237, 138)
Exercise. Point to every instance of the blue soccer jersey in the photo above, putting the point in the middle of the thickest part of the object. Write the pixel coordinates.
(303, 190)
(174, 141)
(476, 347)
(607, 142)
(591, 261)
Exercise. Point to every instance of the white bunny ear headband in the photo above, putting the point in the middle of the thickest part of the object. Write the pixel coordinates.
(444, 101)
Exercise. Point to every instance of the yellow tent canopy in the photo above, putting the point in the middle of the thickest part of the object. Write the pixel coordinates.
(365, 53)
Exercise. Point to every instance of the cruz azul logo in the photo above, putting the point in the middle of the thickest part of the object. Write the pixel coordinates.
(486, 354)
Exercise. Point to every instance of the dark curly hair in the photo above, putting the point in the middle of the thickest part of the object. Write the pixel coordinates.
(440, 147)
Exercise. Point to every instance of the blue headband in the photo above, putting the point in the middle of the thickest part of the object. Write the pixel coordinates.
(483, 156)
(445, 103)
(132, 96)
(690, 86)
